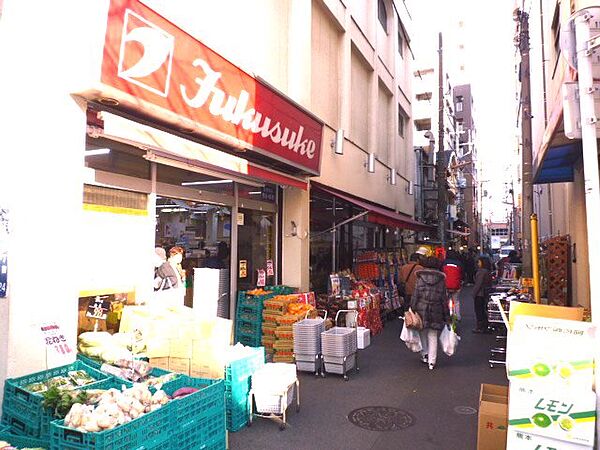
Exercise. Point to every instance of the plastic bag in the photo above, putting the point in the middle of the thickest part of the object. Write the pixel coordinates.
(449, 340)
(411, 338)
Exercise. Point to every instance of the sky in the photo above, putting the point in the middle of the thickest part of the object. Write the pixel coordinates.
(489, 52)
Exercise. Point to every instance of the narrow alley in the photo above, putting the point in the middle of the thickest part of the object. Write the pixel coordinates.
(442, 403)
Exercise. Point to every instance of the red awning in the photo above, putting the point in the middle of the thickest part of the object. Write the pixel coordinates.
(377, 214)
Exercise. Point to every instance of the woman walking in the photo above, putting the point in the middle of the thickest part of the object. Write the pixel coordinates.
(430, 301)
(483, 281)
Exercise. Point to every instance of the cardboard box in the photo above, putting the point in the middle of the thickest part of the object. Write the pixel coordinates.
(519, 440)
(363, 337)
(157, 347)
(531, 309)
(179, 365)
(208, 365)
(180, 348)
(563, 414)
(161, 363)
(493, 417)
(542, 351)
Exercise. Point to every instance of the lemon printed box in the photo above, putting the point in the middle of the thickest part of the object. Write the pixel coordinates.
(558, 352)
(519, 440)
(562, 414)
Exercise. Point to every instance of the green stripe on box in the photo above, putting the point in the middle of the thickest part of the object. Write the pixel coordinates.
(586, 362)
(583, 415)
(516, 373)
(517, 422)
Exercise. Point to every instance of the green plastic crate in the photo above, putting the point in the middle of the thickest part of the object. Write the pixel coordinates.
(23, 441)
(22, 410)
(150, 431)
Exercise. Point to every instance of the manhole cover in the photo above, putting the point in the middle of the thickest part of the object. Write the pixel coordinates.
(381, 418)
(465, 410)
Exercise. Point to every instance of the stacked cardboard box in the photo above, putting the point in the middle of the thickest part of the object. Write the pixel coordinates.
(550, 365)
(273, 309)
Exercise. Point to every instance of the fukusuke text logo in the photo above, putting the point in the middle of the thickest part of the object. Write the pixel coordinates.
(146, 54)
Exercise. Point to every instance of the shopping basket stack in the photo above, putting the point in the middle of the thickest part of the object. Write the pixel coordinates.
(339, 348)
(307, 344)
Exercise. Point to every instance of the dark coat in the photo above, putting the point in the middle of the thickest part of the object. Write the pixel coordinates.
(165, 277)
(483, 281)
(430, 299)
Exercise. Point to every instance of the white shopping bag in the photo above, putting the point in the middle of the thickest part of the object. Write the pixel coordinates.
(411, 338)
(449, 340)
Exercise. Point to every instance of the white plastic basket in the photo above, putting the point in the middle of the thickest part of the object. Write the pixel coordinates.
(268, 402)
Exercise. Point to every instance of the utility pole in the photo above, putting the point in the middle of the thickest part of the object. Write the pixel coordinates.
(522, 40)
(440, 161)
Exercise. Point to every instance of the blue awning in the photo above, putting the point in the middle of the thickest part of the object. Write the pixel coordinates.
(557, 166)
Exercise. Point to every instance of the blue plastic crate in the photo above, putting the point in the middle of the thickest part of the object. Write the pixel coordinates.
(23, 441)
(92, 362)
(188, 409)
(238, 410)
(22, 410)
(249, 340)
(150, 431)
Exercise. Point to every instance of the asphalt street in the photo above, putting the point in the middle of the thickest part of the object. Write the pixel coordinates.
(442, 403)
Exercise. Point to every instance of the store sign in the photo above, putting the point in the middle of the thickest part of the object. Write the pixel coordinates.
(270, 270)
(54, 339)
(153, 60)
(3, 252)
(262, 278)
(98, 308)
(243, 268)
(240, 219)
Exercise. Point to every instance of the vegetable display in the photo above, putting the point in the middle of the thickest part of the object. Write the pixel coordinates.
(115, 408)
(73, 379)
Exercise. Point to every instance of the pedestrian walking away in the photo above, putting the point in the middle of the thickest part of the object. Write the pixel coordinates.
(454, 271)
(483, 281)
(408, 277)
(430, 301)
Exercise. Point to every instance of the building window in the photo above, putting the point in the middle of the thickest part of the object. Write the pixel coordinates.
(401, 121)
(382, 14)
(400, 41)
(459, 107)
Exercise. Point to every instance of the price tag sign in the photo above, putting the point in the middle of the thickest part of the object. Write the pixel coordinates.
(98, 308)
(243, 268)
(54, 339)
(270, 271)
(262, 278)
(527, 282)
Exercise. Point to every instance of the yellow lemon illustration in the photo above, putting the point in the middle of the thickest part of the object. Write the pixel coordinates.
(566, 423)
(565, 371)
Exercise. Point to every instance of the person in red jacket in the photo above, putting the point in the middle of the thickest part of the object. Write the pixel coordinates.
(453, 270)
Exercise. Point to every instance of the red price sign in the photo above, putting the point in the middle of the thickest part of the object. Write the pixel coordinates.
(270, 270)
(262, 278)
(54, 339)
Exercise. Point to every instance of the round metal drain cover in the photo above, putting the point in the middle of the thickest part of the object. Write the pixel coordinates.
(381, 418)
(465, 410)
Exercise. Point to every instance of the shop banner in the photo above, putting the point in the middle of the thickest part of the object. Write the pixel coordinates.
(262, 278)
(170, 73)
(270, 270)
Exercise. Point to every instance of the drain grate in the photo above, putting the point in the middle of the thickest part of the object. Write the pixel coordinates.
(381, 418)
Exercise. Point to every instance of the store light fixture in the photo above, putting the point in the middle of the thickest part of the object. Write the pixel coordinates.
(392, 178)
(254, 192)
(97, 151)
(198, 183)
(370, 163)
(337, 143)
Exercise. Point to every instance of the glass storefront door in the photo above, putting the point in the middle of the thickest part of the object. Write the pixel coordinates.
(256, 247)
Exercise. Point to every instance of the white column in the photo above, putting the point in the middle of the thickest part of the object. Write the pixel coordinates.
(590, 169)
(41, 160)
(296, 249)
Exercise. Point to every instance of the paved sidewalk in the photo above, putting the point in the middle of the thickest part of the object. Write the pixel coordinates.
(390, 375)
